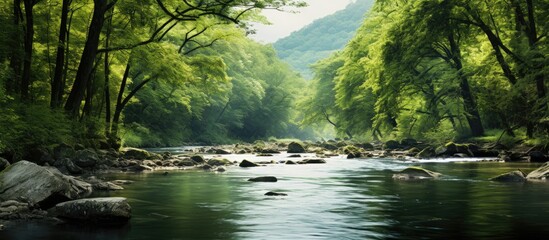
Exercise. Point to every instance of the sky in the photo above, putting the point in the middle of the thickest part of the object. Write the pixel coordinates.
(284, 23)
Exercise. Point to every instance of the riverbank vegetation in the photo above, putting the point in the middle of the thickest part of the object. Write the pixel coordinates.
(438, 70)
(148, 73)
(107, 73)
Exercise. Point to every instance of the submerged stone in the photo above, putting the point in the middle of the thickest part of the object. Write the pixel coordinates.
(414, 173)
(275, 194)
(263, 179)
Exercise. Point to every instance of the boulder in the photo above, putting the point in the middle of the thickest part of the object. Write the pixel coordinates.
(4, 164)
(187, 163)
(312, 161)
(63, 151)
(103, 211)
(68, 165)
(86, 158)
(541, 173)
(136, 153)
(246, 163)
(413, 173)
(295, 147)
(514, 176)
(275, 194)
(38, 155)
(221, 151)
(40, 186)
(263, 179)
(391, 144)
(290, 162)
(219, 162)
(350, 149)
(198, 159)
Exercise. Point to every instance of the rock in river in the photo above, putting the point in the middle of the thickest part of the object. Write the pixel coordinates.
(295, 147)
(39, 185)
(413, 173)
(275, 194)
(104, 211)
(263, 179)
(312, 161)
(246, 163)
(514, 176)
(541, 173)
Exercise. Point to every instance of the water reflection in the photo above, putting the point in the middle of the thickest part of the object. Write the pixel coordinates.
(343, 199)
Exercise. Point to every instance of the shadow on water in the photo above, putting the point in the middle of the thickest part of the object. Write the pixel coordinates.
(343, 199)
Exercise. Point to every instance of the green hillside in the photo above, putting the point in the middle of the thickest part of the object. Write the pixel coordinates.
(322, 37)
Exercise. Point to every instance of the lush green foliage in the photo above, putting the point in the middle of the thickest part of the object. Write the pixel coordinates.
(322, 37)
(438, 69)
(100, 70)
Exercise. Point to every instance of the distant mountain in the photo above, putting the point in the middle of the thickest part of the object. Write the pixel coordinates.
(322, 37)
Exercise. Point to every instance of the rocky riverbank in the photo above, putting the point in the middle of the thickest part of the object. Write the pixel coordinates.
(55, 183)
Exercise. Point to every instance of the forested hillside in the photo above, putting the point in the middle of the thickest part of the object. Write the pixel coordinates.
(438, 70)
(322, 37)
(147, 73)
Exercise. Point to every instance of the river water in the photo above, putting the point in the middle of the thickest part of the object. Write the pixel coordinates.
(343, 199)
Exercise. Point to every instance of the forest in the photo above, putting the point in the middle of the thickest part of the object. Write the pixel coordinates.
(151, 73)
(139, 73)
(439, 70)
(322, 37)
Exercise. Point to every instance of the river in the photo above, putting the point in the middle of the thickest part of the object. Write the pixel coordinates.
(342, 199)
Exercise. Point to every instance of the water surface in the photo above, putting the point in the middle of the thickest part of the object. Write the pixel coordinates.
(343, 199)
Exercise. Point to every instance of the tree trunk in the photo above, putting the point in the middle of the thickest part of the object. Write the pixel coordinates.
(57, 83)
(106, 87)
(12, 86)
(471, 111)
(122, 101)
(27, 60)
(118, 108)
(89, 54)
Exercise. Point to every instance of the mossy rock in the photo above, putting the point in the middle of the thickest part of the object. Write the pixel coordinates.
(514, 176)
(219, 162)
(295, 147)
(350, 149)
(136, 153)
(412, 173)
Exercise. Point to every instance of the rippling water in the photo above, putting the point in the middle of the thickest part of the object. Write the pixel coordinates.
(343, 199)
